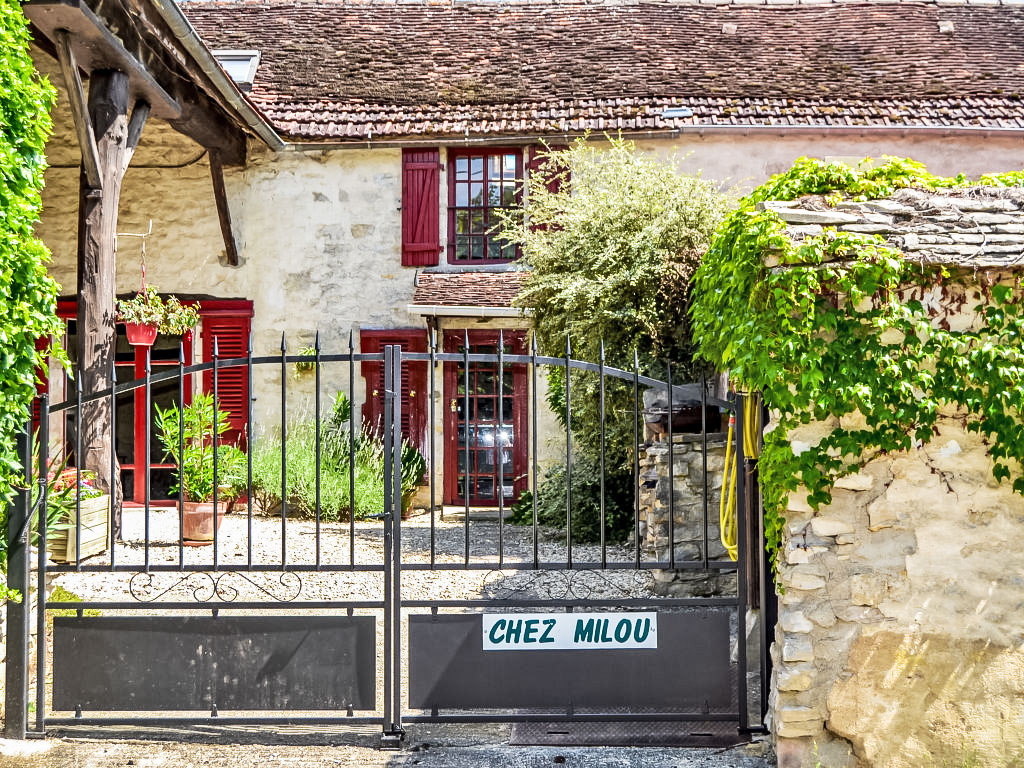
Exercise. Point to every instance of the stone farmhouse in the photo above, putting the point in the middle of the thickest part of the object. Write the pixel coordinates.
(365, 147)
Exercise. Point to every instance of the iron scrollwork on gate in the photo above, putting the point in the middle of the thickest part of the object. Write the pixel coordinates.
(204, 586)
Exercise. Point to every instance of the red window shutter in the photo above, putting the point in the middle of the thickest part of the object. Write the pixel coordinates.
(232, 334)
(414, 382)
(421, 235)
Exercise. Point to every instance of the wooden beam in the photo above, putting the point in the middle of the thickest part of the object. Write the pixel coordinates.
(97, 47)
(97, 223)
(223, 212)
(135, 125)
(79, 111)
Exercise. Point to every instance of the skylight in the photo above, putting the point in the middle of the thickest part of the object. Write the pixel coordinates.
(240, 66)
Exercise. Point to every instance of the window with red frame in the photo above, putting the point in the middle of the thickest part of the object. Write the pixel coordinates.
(481, 185)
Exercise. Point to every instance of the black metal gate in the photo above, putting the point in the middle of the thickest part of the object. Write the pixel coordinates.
(454, 616)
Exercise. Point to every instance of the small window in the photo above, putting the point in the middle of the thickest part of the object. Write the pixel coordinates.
(240, 66)
(481, 184)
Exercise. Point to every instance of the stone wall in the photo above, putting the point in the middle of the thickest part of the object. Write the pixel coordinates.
(900, 629)
(688, 505)
(900, 639)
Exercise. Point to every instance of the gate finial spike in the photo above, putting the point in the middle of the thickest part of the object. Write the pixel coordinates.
(248, 343)
(181, 353)
(216, 347)
(351, 340)
(465, 336)
(602, 350)
(533, 343)
(78, 382)
(501, 341)
(636, 359)
(568, 344)
(316, 341)
(284, 346)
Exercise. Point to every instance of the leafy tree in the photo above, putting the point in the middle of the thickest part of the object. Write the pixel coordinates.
(612, 240)
(27, 295)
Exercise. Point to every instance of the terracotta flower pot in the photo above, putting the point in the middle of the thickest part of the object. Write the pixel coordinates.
(199, 521)
(140, 334)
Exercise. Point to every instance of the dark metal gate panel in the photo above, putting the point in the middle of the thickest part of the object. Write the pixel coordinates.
(448, 668)
(153, 663)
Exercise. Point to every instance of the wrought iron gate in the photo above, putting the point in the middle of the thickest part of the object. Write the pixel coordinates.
(455, 616)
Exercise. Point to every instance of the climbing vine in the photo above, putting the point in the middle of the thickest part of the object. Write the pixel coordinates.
(837, 332)
(27, 294)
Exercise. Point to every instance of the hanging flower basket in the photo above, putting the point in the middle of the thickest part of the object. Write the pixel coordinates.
(146, 315)
(140, 334)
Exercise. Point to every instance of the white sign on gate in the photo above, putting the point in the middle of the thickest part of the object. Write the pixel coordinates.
(569, 631)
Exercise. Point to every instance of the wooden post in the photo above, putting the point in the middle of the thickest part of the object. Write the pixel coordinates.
(97, 225)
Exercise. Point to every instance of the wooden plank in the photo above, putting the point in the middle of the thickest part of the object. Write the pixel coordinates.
(79, 112)
(223, 211)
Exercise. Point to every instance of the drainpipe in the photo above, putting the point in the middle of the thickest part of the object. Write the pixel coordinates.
(186, 34)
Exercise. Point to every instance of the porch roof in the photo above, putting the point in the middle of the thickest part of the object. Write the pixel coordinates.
(449, 292)
(359, 70)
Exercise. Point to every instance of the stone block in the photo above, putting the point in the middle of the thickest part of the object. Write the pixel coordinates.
(795, 621)
(868, 588)
(794, 677)
(803, 580)
(799, 729)
(797, 648)
(856, 482)
(795, 713)
(830, 526)
(882, 514)
(798, 502)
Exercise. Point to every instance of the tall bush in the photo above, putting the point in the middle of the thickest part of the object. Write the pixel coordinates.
(27, 295)
(612, 239)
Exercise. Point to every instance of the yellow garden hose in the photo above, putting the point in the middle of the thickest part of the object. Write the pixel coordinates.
(751, 449)
(727, 502)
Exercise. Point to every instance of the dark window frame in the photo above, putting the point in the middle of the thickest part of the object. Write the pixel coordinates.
(453, 183)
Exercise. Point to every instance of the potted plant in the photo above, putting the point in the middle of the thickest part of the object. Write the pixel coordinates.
(146, 315)
(197, 424)
(69, 490)
(414, 467)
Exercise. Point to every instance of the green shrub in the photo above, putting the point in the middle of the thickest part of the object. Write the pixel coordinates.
(586, 502)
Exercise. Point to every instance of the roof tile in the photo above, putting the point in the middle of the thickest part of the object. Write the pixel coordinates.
(355, 70)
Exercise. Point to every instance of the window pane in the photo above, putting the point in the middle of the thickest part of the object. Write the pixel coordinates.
(493, 194)
(476, 194)
(461, 167)
(508, 251)
(461, 247)
(477, 248)
(461, 195)
(510, 166)
(461, 222)
(477, 168)
(485, 487)
(493, 249)
(508, 194)
(494, 167)
(477, 222)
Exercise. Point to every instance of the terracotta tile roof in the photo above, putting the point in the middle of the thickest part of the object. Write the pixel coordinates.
(468, 289)
(352, 70)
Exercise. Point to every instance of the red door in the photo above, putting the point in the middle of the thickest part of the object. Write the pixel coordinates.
(496, 428)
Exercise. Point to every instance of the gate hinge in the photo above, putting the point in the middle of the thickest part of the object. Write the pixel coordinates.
(393, 737)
